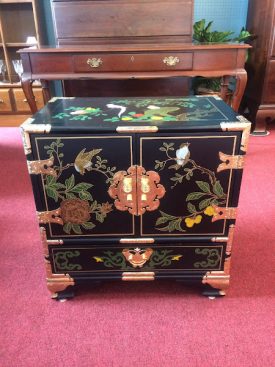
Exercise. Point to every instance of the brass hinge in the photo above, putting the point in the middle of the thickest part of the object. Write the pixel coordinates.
(219, 239)
(230, 162)
(221, 213)
(42, 167)
(138, 276)
(137, 129)
(52, 216)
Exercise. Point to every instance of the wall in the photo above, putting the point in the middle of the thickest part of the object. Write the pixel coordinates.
(228, 15)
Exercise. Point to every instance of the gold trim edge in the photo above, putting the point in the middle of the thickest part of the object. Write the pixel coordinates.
(136, 129)
(137, 240)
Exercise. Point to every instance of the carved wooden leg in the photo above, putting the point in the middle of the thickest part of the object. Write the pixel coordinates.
(224, 87)
(241, 80)
(260, 122)
(27, 89)
(45, 90)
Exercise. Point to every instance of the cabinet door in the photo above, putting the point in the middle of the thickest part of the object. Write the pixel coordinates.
(71, 175)
(201, 192)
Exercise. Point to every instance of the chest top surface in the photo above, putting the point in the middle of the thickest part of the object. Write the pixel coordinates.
(107, 114)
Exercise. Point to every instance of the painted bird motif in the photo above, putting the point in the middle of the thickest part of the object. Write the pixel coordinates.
(83, 161)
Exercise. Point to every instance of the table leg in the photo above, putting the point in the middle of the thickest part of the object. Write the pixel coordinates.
(241, 80)
(27, 89)
(260, 122)
(224, 87)
(45, 90)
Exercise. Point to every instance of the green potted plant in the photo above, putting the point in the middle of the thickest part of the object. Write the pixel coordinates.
(203, 33)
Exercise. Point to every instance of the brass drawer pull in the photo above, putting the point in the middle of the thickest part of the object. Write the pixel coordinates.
(25, 100)
(171, 60)
(94, 62)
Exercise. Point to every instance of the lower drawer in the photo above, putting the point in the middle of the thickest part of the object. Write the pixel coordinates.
(96, 259)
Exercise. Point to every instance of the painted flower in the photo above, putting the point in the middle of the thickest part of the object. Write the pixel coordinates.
(106, 208)
(209, 211)
(75, 211)
(183, 154)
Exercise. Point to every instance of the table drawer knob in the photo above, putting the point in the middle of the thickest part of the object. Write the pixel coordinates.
(171, 60)
(94, 62)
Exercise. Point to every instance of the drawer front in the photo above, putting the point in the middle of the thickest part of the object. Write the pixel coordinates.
(21, 101)
(269, 92)
(5, 102)
(161, 258)
(133, 62)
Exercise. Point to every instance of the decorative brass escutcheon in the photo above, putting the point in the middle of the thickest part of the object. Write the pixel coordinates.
(94, 62)
(171, 60)
(137, 257)
(136, 190)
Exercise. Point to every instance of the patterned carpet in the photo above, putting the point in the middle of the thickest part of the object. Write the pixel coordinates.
(137, 325)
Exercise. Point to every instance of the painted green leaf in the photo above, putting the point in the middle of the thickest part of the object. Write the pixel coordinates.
(170, 217)
(83, 186)
(69, 182)
(161, 220)
(76, 228)
(70, 195)
(88, 225)
(205, 203)
(178, 225)
(195, 196)
(50, 180)
(99, 217)
(52, 193)
(191, 208)
(93, 206)
(204, 186)
(217, 189)
(85, 195)
(67, 228)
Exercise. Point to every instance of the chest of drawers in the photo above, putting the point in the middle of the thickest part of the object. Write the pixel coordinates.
(136, 189)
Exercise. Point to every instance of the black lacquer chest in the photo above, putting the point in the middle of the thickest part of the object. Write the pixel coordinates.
(136, 189)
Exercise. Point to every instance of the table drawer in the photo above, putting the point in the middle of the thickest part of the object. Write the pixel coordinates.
(21, 101)
(133, 62)
(5, 101)
(97, 259)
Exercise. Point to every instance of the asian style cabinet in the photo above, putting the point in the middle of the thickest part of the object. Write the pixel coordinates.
(136, 189)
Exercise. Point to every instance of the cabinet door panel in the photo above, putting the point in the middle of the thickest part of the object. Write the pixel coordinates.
(189, 170)
(72, 193)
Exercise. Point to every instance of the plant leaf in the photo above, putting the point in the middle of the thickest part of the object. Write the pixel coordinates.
(85, 195)
(69, 182)
(83, 186)
(195, 195)
(76, 228)
(88, 225)
(204, 186)
(217, 189)
(52, 193)
(205, 203)
(191, 208)
(67, 228)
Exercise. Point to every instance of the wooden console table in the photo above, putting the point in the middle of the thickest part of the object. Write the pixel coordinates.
(130, 61)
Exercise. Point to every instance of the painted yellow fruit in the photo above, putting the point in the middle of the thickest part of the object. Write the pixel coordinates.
(209, 211)
(90, 109)
(189, 222)
(198, 219)
(156, 118)
(127, 118)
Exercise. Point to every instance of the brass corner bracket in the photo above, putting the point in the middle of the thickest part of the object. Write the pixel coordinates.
(219, 279)
(243, 126)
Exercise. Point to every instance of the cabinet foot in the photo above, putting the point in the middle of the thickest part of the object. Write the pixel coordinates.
(212, 293)
(64, 295)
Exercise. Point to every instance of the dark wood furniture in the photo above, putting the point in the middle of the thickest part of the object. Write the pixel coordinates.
(141, 61)
(136, 189)
(18, 22)
(260, 92)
